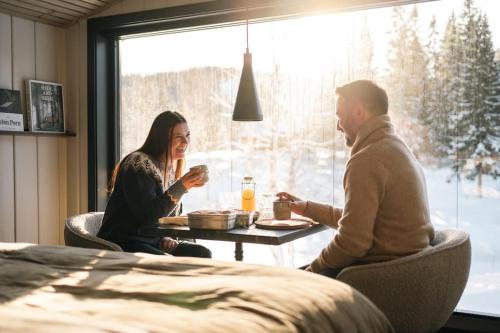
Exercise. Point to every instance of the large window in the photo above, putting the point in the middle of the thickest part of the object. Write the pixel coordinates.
(440, 63)
(197, 73)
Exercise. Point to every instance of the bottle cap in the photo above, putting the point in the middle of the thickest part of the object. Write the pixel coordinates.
(247, 178)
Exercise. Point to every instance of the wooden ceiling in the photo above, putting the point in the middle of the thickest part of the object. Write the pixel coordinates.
(61, 13)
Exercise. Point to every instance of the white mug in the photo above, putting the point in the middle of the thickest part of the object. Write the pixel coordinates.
(205, 171)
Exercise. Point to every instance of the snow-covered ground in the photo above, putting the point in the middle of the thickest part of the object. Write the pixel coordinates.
(479, 216)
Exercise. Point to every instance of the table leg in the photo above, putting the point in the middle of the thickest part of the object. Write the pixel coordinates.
(238, 252)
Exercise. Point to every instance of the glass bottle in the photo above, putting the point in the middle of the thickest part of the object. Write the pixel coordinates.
(248, 194)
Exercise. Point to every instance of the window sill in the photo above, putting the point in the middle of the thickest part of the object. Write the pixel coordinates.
(471, 322)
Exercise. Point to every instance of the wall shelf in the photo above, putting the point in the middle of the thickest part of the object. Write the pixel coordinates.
(29, 133)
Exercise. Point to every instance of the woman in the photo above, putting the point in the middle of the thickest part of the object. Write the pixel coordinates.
(147, 185)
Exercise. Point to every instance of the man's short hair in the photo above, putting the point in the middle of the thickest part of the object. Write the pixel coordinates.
(368, 93)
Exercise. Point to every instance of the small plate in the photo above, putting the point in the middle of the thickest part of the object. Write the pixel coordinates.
(293, 223)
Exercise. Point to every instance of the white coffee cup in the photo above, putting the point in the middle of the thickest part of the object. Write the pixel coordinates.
(204, 168)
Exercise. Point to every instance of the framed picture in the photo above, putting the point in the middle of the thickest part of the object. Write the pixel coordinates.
(11, 116)
(45, 108)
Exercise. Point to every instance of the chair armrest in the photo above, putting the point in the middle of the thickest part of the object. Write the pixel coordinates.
(72, 238)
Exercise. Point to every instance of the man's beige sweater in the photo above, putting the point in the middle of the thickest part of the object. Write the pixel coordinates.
(386, 214)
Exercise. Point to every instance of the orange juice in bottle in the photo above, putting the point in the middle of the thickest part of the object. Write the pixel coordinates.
(248, 194)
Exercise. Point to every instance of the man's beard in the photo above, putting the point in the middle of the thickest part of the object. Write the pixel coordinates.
(348, 141)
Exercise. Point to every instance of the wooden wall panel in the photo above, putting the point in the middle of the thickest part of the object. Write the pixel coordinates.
(26, 189)
(7, 217)
(63, 178)
(62, 142)
(48, 190)
(23, 54)
(76, 92)
(5, 52)
(47, 148)
(46, 52)
(25, 150)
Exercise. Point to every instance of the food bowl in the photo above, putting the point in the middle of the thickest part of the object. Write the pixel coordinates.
(212, 219)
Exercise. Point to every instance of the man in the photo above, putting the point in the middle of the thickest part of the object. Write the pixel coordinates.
(386, 214)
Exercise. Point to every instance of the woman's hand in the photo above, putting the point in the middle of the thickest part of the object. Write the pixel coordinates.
(168, 244)
(297, 205)
(193, 178)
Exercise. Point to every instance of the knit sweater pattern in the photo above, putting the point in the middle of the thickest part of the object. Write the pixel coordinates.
(140, 197)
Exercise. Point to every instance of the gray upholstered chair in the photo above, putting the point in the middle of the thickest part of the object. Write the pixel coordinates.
(417, 293)
(81, 230)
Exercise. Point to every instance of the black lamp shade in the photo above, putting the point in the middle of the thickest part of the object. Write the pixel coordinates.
(247, 106)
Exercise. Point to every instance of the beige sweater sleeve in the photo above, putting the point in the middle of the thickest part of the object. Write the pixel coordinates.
(324, 214)
(364, 186)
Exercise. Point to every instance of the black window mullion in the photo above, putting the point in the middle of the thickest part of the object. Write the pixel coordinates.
(102, 116)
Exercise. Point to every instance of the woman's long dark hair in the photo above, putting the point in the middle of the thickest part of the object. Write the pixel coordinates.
(157, 145)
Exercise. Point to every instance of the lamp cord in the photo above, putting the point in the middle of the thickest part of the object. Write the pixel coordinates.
(247, 26)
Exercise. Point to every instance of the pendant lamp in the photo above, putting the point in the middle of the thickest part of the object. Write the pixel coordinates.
(247, 106)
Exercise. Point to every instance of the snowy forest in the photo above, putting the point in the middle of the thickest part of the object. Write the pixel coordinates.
(444, 96)
(447, 90)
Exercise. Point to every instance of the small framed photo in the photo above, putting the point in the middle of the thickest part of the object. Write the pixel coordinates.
(45, 107)
(11, 116)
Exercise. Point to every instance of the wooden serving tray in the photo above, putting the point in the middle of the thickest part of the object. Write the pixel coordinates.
(290, 224)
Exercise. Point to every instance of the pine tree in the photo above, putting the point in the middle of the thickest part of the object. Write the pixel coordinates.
(482, 142)
(476, 123)
(447, 81)
(432, 47)
(431, 116)
(408, 78)
(363, 53)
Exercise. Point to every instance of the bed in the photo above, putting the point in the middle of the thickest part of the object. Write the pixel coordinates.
(68, 289)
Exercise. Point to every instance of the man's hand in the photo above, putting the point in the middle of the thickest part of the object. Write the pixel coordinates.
(168, 244)
(297, 205)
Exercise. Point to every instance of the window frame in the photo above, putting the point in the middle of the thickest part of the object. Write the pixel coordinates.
(103, 34)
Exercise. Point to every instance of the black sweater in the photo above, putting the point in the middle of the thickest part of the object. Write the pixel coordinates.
(139, 198)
